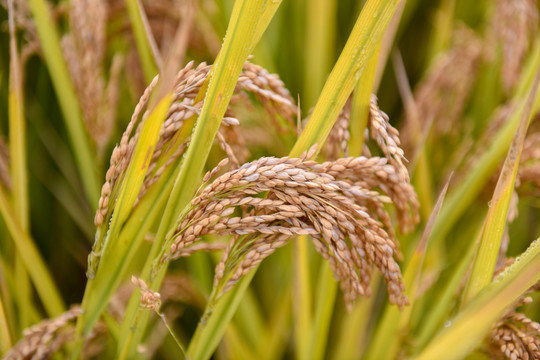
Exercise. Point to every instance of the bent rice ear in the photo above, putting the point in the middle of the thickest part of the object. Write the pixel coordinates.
(335, 202)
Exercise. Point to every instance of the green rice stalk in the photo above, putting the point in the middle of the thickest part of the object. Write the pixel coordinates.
(326, 297)
(364, 39)
(17, 129)
(19, 177)
(360, 105)
(249, 321)
(39, 274)
(110, 273)
(387, 43)
(355, 322)
(440, 308)
(5, 337)
(302, 303)
(477, 318)
(94, 301)
(69, 104)
(236, 346)
(143, 40)
(319, 47)
(274, 344)
(208, 336)
(394, 323)
(486, 258)
(353, 331)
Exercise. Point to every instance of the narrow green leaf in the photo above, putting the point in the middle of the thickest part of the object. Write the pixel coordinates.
(17, 151)
(35, 265)
(273, 345)
(5, 337)
(17, 128)
(302, 297)
(144, 40)
(486, 308)
(486, 258)
(69, 104)
(364, 39)
(319, 47)
(447, 297)
(215, 320)
(326, 297)
(360, 105)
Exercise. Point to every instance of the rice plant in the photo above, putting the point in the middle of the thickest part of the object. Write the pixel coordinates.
(263, 179)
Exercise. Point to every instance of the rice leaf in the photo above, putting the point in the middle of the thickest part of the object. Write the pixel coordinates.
(486, 258)
(19, 177)
(5, 337)
(446, 298)
(69, 103)
(363, 40)
(32, 260)
(360, 105)
(319, 47)
(483, 310)
(326, 297)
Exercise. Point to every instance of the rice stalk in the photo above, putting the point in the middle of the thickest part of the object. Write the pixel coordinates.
(69, 104)
(394, 323)
(144, 40)
(31, 258)
(5, 337)
(17, 152)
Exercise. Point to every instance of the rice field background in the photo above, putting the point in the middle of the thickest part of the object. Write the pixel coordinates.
(269, 179)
